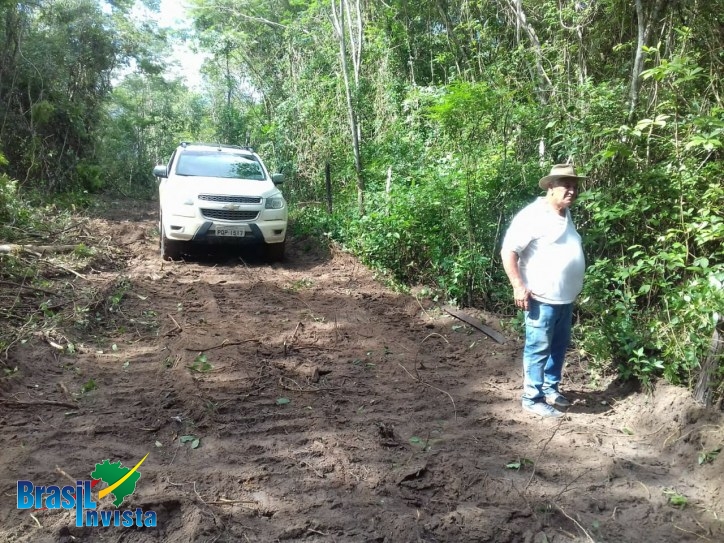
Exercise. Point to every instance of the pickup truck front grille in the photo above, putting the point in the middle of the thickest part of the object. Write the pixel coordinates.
(227, 215)
(222, 198)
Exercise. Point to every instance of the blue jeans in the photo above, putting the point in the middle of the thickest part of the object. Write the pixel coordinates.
(547, 335)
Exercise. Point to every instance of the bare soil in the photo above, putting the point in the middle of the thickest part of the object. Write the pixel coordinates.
(328, 407)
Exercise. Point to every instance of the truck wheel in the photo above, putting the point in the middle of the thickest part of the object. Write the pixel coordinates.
(170, 249)
(274, 252)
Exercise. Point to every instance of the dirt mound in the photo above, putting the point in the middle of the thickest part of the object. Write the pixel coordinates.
(305, 401)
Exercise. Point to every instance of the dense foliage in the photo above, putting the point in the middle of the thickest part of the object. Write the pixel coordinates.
(436, 118)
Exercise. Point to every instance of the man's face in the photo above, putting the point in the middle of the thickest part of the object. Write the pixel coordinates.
(563, 192)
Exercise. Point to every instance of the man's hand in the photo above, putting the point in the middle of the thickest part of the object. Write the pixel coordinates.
(521, 295)
(520, 291)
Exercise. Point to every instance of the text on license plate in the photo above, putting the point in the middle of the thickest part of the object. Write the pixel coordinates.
(231, 231)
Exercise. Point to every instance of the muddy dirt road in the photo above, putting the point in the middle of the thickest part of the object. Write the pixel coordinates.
(305, 401)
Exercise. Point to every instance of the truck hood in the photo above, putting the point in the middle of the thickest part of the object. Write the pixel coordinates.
(193, 186)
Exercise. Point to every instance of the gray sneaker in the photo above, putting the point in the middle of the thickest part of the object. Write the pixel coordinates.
(558, 400)
(542, 409)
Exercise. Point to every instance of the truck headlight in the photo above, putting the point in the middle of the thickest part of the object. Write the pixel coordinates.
(277, 202)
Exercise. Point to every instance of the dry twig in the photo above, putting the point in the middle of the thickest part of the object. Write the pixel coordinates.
(173, 330)
(299, 388)
(578, 524)
(455, 411)
(224, 501)
(223, 344)
(64, 474)
(692, 533)
(540, 454)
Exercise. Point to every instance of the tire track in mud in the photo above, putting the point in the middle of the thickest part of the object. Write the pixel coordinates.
(328, 437)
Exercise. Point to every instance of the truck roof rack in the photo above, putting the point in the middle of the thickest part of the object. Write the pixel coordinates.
(218, 145)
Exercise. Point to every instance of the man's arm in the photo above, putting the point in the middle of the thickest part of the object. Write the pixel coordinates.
(512, 270)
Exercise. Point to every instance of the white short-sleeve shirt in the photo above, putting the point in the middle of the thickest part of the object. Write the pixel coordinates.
(550, 254)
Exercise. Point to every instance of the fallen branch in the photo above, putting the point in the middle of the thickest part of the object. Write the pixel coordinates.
(27, 287)
(222, 501)
(64, 268)
(11, 403)
(37, 250)
(223, 344)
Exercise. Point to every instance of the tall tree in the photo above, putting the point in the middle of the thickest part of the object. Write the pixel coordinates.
(348, 28)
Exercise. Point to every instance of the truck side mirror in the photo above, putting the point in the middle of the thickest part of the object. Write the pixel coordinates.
(160, 171)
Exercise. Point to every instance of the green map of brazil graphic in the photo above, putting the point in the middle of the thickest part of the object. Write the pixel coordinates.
(110, 473)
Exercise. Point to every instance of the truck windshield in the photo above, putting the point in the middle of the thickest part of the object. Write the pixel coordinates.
(215, 164)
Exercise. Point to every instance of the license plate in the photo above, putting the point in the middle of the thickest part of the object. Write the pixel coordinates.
(231, 231)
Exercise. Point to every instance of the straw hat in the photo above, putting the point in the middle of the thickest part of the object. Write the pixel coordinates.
(559, 171)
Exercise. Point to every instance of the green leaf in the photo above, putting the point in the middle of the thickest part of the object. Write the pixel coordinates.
(195, 443)
(519, 464)
(283, 401)
(201, 364)
(675, 498)
(186, 439)
(706, 457)
(644, 289)
(89, 385)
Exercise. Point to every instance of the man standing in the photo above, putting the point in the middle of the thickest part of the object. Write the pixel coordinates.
(543, 258)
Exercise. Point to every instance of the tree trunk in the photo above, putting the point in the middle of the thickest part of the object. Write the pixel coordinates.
(522, 22)
(644, 27)
(457, 49)
(703, 390)
(338, 20)
(328, 186)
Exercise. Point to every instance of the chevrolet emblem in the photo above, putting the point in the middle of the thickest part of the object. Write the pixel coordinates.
(232, 207)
